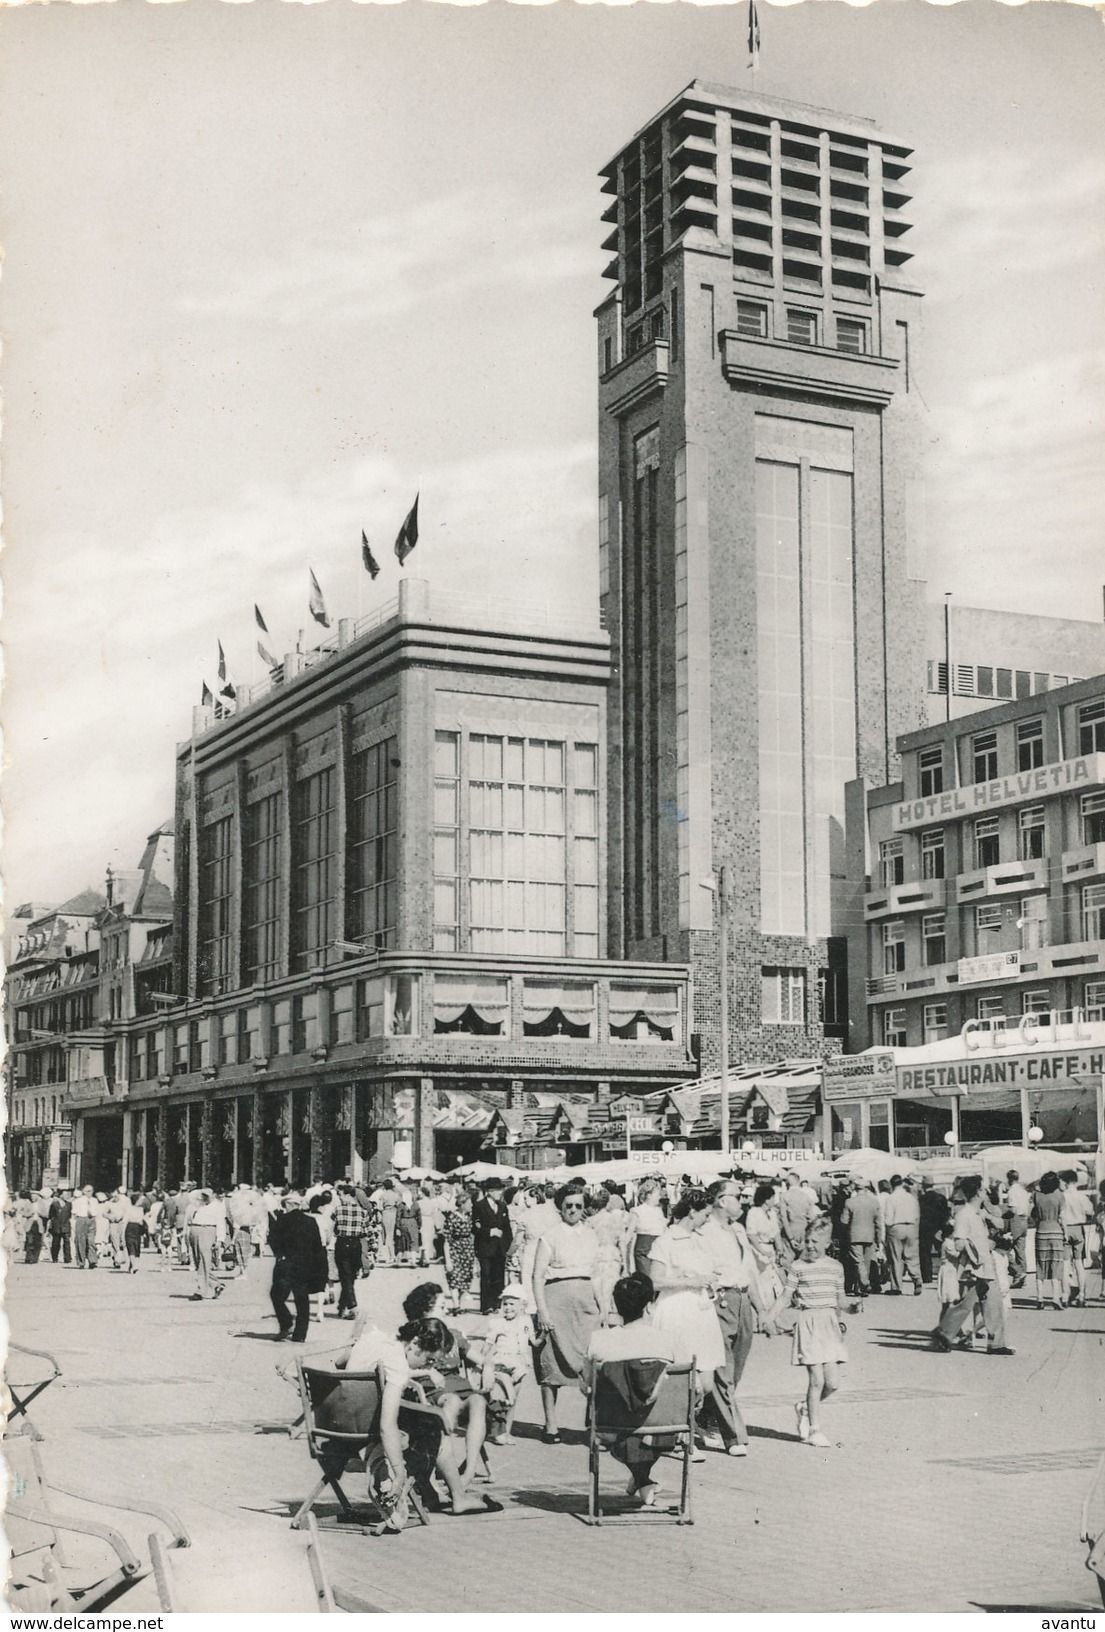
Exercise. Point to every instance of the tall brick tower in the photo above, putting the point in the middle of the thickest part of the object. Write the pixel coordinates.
(758, 434)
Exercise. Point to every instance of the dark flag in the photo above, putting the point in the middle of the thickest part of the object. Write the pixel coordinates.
(206, 699)
(371, 565)
(261, 624)
(317, 604)
(753, 34)
(408, 533)
(222, 662)
(265, 655)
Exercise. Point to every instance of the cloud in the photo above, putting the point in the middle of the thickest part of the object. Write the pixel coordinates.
(436, 250)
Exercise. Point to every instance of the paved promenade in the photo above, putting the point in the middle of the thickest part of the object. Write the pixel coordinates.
(954, 1482)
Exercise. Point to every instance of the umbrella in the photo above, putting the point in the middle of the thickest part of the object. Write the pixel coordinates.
(1029, 1161)
(945, 1169)
(421, 1173)
(485, 1170)
(870, 1164)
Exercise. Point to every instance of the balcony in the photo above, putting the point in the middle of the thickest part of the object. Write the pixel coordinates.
(925, 895)
(636, 378)
(775, 364)
(1080, 866)
(1007, 878)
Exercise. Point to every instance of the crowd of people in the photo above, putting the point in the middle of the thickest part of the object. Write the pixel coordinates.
(565, 1279)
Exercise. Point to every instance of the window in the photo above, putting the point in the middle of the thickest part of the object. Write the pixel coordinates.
(370, 1009)
(216, 901)
(933, 938)
(992, 1009)
(262, 895)
(341, 1015)
(801, 327)
(851, 336)
(987, 920)
(249, 1034)
(1030, 744)
(937, 677)
(1039, 683)
(607, 355)
(557, 1009)
(1093, 912)
(478, 1005)
(894, 1028)
(935, 1022)
(1093, 1000)
(1003, 682)
(984, 754)
(446, 840)
(282, 1026)
(752, 319)
(891, 863)
(1033, 922)
(306, 1036)
(1093, 818)
(153, 1055)
(932, 853)
(985, 681)
(987, 846)
(1091, 727)
(315, 871)
(228, 1038)
(1038, 1002)
(180, 1050)
(893, 947)
(932, 771)
(645, 1014)
(585, 851)
(784, 997)
(517, 845)
(1030, 833)
(373, 845)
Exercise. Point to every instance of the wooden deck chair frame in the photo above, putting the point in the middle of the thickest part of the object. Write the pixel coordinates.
(20, 1402)
(672, 1412)
(329, 1595)
(333, 1446)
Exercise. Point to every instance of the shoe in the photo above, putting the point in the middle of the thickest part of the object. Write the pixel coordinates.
(550, 1437)
(917, 1290)
(737, 1450)
(647, 1494)
(819, 1440)
(710, 1442)
(940, 1342)
(893, 1291)
(284, 1335)
(697, 1455)
(1003, 1351)
(964, 1342)
(803, 1417)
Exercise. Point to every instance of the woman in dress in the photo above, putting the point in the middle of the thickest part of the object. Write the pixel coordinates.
(460, 1248)
(1051, 1240)
(763, 1229)
(567, 1307)
(609, 1226)
(681, 1270)
(407, 1231)
(646, 1222)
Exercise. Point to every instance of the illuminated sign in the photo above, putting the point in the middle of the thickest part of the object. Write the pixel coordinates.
(1067, 776)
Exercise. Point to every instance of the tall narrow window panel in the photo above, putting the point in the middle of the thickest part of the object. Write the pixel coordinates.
(315, 871)
(216, 905)
(263, 892)
(373, 845)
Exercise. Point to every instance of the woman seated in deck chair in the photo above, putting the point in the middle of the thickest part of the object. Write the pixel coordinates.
(635, 1339)
(405, 1412)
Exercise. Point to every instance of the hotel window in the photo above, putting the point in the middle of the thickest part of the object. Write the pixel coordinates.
(373, 845)
(987, 844)
(446, 840)
(992, 1009)
(1093, 818)
(585, 852)
(801, 327)
(987, 922)
(984, 756)
(933, 938)
(891, 863)
(894, 1028)
(1093, 1000)
(1030, 833)
(784, 997)
(893, 947)
(153, 1055)
(180, 1050)
(478, 1005)
(752, 319)
(315, 870)
(932, 772)
(1038, 1002)
(282, 1026)
(1030, 744)
(216, 903)
(935, 1022)
(370, 1009)
(341, 1015)
(262, 894)
(1091, 728)
(644, 1014)
(932, 853)
(1033, 922)
(851, 336)
(1093, 912)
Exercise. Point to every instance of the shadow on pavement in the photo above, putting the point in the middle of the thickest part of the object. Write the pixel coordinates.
(1064, 1607)
(773, 1433)
(570, 1502)
(262, 1337)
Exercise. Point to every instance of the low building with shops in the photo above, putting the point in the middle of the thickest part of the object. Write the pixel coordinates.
(978, 950)
(389, 919)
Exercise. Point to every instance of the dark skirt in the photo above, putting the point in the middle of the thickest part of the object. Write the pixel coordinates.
(573, 1317)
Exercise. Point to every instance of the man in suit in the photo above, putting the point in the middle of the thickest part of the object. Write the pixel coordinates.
(492, 1232)
(935, 1213)
(300, 1266)
(57, 1225)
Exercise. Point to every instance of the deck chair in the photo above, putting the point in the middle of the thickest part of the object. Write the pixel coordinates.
(331, 1596)
(23, 1392)
(649, 1399)
(341, 1424)
(42, 1574)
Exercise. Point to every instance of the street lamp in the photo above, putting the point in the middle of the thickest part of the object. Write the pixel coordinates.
(717, 886)
(1035, 1136)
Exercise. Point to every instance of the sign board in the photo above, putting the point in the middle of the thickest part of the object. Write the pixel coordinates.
(643, 1124)
(647, 1158)
(50, 1178)
(1033, 1071)
(614, 1129)
(613, 1144)
(1067, 776)
(994, 966)
(853, 1076)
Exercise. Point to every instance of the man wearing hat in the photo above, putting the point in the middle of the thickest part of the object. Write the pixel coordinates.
(935, 1212)
(492, 1234)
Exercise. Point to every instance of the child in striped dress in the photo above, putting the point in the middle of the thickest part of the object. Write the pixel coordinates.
(815, 1285)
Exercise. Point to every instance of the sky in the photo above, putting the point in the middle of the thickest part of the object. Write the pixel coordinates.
(270, 269)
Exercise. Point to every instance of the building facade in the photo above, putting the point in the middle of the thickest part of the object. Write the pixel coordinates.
(994, 656)
(389, 919)
(980, 921)
(758, 429)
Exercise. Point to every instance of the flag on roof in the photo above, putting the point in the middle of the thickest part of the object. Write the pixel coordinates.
(408, 533)
(317, 604)
(371, 565)
(206, 699)
(753, 33)
(265, 655)
(261, 624)
(228, 694)
(222, 662)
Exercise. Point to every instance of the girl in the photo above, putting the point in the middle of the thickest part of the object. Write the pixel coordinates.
(815, 1285)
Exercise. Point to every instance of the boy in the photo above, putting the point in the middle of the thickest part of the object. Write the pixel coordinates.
(507, 1340)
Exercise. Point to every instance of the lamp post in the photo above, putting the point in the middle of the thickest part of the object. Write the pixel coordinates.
(717, 886)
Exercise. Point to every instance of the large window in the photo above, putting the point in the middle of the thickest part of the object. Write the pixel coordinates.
(1038, 1002)
(1093, 912)
(893, 947)
(315, 870)
(933, 938)
(644, 1014)
(1091, 728)
(262, 897)
(984, 756)
(932, 771)
(935, 1022)
(987, 924)
(216, 904)
(894, 1028)
(1033, 922)
(992, 1009)
(585, 851)
(373, 845)
(784, 997)
(446, 841)
(1093, 818)
(1030, 744)
(558, 1009)
(987, 845)
(478, 1005)
(891, 863)
(1030, 833)
(932, 853)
